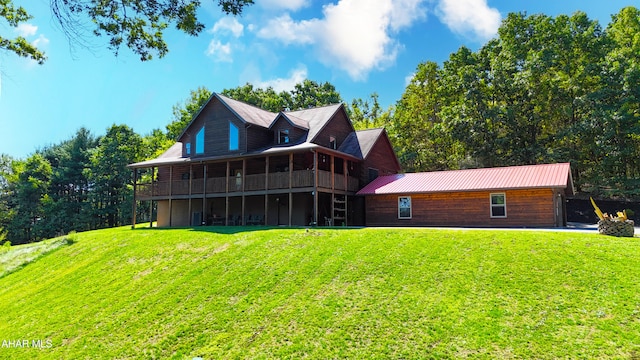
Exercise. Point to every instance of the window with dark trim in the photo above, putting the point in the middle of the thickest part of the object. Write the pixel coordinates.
(283, 136)
(200, 141)
(404, 207)
(333, 143)
(234, 137)
(498, 205)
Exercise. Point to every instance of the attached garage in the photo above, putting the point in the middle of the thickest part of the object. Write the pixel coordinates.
(516, 196)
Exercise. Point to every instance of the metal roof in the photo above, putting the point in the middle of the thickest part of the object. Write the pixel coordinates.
(500, 178)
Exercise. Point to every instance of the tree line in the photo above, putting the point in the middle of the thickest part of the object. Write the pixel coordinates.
(546, 89)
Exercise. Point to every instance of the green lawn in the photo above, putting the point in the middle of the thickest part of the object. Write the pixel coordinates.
(326, 293)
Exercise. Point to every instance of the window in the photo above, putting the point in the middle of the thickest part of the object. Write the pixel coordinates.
(234, 137)
(498, 205)
(283, 136)
(200, 141)
(404, 207)
(333, 143)
(187, 148)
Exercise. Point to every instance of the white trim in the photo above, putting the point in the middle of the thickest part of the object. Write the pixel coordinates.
(491, 205)
(410, 208)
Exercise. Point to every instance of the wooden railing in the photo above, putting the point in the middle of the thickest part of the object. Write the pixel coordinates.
(257, 182)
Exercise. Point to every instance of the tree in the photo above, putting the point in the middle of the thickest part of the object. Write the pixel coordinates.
(111, 180)
(184, 113)
(139, 24)
(69, 206)
(30, 181)
(367, 116)
(14, 16)
(304, 95)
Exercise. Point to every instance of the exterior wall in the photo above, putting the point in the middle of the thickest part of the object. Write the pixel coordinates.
(295, 134)
(215, 118)
(339, 127)
(180, 215)
(258, 137)
(533, 208)
(382, 158)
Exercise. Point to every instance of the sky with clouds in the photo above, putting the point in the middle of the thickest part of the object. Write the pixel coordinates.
(360, 46)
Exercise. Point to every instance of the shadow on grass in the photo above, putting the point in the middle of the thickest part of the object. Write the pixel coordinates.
(230, 230)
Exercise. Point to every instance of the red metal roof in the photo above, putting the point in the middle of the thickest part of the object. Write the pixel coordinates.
(500, 178)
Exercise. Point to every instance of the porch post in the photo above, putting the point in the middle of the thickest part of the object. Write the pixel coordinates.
(226, 197)
(244, 171)
(290, 187)
(266, 190)
(315, 187)
(170, 196)
(135, 182)
(204, 195)
(346, 191)
(190, 183)
(153, 176)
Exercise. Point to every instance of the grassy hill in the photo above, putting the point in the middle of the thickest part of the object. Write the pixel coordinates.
(325, 293)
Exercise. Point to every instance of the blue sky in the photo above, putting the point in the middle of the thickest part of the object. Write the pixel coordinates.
(360, 46)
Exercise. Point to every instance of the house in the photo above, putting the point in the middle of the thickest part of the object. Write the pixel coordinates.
(531, 195)
(236, 164)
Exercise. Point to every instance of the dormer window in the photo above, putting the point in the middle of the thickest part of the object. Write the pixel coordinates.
(283, 136)
(333, 143)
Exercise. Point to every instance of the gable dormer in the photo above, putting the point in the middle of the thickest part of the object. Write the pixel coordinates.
(288, 129)
(329, 125)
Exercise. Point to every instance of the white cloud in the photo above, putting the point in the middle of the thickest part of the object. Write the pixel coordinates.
(470, 18)
(26, 29)
(228, 25)
(296, 76)
(219, 51)
(408, 78)
(285, 29)
(356, 36)
(41, 41)
(292, 5)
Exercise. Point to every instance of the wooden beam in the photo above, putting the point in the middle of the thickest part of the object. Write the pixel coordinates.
(204, 195)
(170, 195)
(226, 197)
(290, 186)
(244, 171)
(190, 183)
(266, 189)
(315, 187)
(135, 182)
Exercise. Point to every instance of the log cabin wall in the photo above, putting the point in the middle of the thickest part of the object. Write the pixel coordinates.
(339, 127)
(382, 158)
(533, 207)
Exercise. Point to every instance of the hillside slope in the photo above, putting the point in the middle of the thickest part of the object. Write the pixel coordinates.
(325, 293)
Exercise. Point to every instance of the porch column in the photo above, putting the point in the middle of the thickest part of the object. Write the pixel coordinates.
(266, 190)
(290, 187)
(315, 187)
(244, 172)
(153, 176)
(204, 195)
(226, 196)
(135, 182)
(170, 196)
(190, 183)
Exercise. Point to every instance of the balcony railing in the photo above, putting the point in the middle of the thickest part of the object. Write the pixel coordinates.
(256, 182)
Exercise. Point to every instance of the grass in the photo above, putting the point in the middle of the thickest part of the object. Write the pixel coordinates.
(327, 293)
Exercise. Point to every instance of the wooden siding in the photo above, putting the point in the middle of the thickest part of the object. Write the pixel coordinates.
(295, 134)
(533, 208)
(215, 118)
(382, 158)
(258, 138)
(339, 127)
